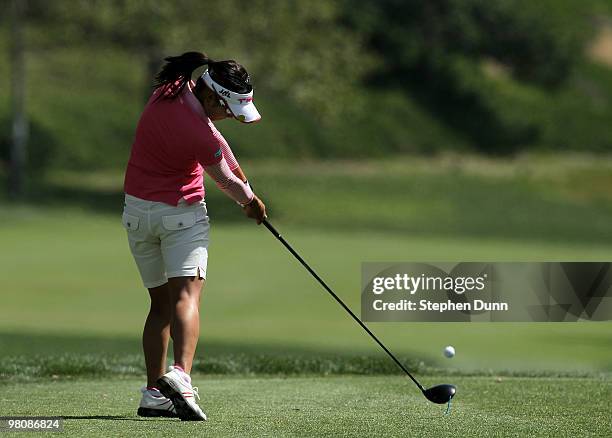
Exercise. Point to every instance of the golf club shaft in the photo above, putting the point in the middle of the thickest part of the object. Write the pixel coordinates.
(331, 292)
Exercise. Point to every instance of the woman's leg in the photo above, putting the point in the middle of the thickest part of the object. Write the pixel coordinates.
(185, 319)
(156, 333)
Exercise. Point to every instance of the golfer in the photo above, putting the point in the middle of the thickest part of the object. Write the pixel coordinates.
(166, 217)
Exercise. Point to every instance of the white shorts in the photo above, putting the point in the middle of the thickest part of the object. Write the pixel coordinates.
(167, 241)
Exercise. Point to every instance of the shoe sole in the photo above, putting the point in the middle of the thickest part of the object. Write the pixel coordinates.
(169, 389)
(148, 412)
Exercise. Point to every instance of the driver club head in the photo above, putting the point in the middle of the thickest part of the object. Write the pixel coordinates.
(440, 394)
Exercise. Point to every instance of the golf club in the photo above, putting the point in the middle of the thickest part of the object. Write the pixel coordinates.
(439, 394)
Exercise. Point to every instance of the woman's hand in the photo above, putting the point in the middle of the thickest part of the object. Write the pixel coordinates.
(256, 210)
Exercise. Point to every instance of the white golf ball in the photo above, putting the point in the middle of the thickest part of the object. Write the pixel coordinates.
(449, 351)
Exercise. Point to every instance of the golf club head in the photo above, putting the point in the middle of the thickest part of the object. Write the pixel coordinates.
(440, 394)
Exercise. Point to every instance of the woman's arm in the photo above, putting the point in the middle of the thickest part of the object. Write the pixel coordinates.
(237, 189)
(229, 183)
(232, 162)
(228, 176)
(239, 174)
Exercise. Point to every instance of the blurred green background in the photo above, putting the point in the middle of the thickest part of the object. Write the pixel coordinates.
(450, 130)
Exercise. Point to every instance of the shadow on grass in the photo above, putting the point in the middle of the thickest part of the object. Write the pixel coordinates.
(99, 201)
(15, 343)
(452, 206)
(32, 356)
(110, 202)
(29, 355)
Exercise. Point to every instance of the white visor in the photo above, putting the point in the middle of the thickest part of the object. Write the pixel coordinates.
(240, 105)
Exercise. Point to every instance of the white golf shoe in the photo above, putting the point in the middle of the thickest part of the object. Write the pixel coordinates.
(154, 404)
(176, 385)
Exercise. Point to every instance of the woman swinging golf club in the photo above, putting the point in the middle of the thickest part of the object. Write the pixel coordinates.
(165, 214)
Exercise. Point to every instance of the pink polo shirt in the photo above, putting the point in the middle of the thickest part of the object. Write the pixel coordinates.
(174, 139)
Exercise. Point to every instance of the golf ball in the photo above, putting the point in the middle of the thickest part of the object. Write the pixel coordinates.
(449, 351)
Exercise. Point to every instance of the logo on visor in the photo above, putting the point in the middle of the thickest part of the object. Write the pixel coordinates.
(245, 99)
(225, 93)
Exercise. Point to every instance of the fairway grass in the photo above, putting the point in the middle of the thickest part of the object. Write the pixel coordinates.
(70, 286)
(84, 295)
(277, 356)
(329, 406)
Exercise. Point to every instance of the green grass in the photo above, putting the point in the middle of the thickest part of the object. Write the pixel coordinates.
(540, 199)
(71, 284)
(278, 356)
(91, 290)
(330, 406)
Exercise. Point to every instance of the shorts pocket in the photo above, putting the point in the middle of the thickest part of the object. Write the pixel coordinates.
(130, 222)
(179, 221)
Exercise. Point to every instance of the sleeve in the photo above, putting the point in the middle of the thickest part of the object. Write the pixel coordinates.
(209, 146)
(225, 148)
(229, 156)
(229, 183)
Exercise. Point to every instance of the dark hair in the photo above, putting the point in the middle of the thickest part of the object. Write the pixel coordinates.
(229, 74)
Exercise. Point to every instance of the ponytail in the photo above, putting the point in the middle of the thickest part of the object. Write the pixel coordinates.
(179, 68)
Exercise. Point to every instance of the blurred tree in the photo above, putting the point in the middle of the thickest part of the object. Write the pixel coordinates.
(19, 131)
(430, 74)
(435, 50)
(293, 47)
